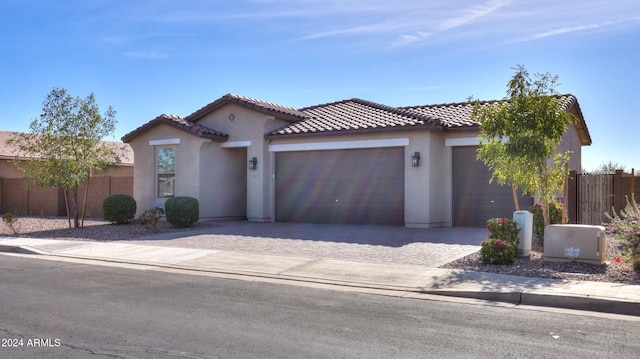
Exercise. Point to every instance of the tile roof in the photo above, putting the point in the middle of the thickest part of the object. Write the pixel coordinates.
(9, 152)
(451, 115)
(347, 116)
(458, 115)
(179, 123)
(282, 112)
(354, 115)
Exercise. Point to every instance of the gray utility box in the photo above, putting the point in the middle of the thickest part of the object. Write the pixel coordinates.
(575, 242)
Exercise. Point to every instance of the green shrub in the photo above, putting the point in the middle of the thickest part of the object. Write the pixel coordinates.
(505, 229)
(503, 241)
(555, 217)
(625, 227)
(151, 219)
(182, 211)
(118, 208)
(497, 251)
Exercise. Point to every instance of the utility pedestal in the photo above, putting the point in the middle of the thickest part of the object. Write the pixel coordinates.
(524, 219)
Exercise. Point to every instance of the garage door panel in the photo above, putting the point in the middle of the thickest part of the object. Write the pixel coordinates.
(475, 200)
(341, 186)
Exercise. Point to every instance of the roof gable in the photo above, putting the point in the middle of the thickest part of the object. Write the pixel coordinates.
(179, 123)
(279, 111)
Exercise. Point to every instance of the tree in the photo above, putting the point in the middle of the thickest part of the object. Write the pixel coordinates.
(519, 136)
(609, 167)
(64, 148)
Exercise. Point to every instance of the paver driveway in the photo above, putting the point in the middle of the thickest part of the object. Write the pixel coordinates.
(431, 247)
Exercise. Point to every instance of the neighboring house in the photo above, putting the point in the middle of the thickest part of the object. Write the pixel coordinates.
(351, 161)
(20, 199)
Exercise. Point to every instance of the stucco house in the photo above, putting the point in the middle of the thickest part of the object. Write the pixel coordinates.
(20, 199)
(350, 161)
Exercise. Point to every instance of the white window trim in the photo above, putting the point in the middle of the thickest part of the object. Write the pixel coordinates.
(235, 144)
(339, 145)
(164, 141)
(462, 141)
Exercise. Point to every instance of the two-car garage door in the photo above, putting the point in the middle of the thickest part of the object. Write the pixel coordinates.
(366, 186)
(357, 186)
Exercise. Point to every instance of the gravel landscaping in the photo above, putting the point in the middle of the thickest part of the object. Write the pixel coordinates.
(532, 266)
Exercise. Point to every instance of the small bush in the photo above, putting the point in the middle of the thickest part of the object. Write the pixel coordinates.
(505, 229)
(497, 251)
(118, 208)
(151, 219)
(182, 212)
(11, 222)
(625, 228)
(555, 217)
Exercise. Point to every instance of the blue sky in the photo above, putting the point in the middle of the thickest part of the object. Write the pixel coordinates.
(145, 58)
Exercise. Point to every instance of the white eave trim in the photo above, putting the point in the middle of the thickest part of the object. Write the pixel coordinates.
(339, 145)
(235, 144)
(462, 141)
(164, 141)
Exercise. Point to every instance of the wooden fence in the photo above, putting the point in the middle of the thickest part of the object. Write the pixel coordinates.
(592, 195)
(34, 200)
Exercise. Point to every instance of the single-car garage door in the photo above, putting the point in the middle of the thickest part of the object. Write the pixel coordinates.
(475, 200)
(358, 186)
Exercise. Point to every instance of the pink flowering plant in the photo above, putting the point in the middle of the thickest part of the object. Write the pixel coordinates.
(497, 251)
(625, 228)
(505, 229)
(503, 240)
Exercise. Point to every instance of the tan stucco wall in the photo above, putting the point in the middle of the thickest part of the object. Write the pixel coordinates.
(218, 176)
(9, 170)
(187, 165)
(571, 141)
(249, 126)
(223, 181)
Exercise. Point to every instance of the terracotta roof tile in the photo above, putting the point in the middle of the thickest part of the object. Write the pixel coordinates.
(283, 112)
(347, 116)
(10, 152)
(354, 115)
(179, 123)
(451, 115)
(458, 115)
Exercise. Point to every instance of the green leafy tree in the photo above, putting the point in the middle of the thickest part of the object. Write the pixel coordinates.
(519, 136)
(64, 145)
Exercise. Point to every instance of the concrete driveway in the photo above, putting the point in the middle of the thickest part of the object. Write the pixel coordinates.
(431, 247)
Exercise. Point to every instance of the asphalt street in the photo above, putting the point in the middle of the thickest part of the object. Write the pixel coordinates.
(51, 309)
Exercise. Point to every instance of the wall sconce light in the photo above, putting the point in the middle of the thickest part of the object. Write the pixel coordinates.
(253, 163)
(415, 159)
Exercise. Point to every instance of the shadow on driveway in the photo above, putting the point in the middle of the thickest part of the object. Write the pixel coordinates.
(391, 236)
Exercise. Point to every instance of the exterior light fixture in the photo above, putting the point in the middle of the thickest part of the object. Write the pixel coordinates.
(415, 159)
(253, 163)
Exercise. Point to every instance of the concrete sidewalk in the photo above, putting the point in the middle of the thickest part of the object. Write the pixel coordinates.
(582, 295)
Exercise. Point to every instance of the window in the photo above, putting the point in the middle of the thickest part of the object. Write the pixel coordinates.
(166, 169)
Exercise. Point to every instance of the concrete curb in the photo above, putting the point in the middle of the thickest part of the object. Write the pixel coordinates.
(560, 298)
(22, 250)
(563, 300)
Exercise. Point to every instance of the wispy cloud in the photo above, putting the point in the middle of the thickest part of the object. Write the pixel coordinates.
(564, 30)
(579, 28)
(379, 23)
(466, 16)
